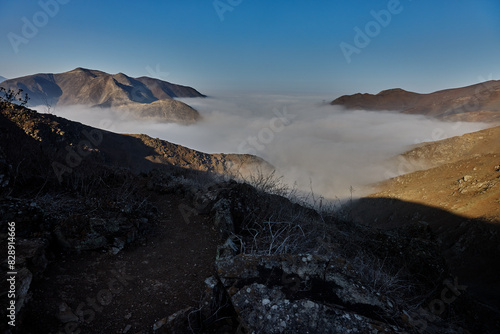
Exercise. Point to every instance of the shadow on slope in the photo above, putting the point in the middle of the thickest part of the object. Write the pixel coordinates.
(470, 246)
(43, 148)
(165, 233)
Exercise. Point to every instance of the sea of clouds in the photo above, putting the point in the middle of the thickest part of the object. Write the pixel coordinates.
(315, 146)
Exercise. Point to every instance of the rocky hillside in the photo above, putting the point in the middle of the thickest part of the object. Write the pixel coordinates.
(71, 144)
(144, 236)
(454, 149)
(458, 174)
(144, 97)
(478, 103)
(458, 197)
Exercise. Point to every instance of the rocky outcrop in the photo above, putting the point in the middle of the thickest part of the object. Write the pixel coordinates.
(352, 278)
(300, 293)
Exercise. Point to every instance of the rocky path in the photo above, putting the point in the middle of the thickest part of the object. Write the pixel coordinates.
(129, 291)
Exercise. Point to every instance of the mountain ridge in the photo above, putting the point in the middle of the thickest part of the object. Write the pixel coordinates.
(94, 88)
(478, 102)
(138, 152)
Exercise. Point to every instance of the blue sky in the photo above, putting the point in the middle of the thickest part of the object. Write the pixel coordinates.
(259, 45)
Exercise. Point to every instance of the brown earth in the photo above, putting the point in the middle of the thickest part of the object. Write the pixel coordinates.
(149, 280)
(479, 103)
(464, 178)
(469, 187)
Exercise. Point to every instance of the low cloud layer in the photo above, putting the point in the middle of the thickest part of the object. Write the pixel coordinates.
(313, 144)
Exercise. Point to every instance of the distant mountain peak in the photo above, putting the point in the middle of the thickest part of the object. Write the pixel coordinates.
(144, 97)
(80, 69)
(479, 102)
(393, 91)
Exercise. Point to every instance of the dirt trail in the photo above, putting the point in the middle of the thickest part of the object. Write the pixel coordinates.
(145, 282)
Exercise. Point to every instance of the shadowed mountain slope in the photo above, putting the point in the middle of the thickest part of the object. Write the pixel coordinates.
(470, 245)
(71, 143)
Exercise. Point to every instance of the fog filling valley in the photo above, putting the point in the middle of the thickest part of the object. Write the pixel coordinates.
(315, 146)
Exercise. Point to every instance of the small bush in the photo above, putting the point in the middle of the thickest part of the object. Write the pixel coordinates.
(11, 96)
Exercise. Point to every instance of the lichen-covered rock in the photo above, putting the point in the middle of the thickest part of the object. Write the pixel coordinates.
(299, 293)
(267, 310)
(311, 293)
